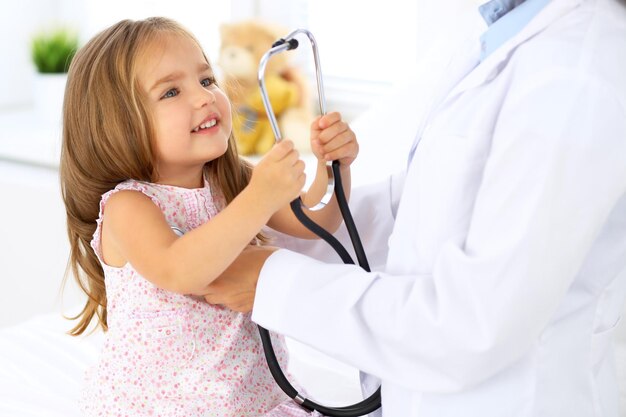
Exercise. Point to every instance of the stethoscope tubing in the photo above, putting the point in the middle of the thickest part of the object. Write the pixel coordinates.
(335, 187)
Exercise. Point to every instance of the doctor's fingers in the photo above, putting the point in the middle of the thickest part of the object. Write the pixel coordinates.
(242, 301)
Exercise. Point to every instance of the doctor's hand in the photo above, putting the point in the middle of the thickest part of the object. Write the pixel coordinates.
(235, 288)
(332, 139)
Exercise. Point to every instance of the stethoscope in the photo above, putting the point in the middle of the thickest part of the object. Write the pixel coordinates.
(334, 184)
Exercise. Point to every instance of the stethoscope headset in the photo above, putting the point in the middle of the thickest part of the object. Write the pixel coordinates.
(334, 184)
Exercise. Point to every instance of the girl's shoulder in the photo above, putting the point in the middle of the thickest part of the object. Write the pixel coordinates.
(145, 188)
(148, 189)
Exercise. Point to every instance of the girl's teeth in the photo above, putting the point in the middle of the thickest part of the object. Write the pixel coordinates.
(206, 125)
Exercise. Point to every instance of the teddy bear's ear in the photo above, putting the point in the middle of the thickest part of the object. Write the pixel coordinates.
(275, 30)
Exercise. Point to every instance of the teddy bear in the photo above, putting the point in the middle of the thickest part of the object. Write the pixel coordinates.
(243, 44)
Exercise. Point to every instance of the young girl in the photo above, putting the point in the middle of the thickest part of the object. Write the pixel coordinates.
(158, 205)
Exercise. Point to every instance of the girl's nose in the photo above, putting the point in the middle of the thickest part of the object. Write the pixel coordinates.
(204, 97)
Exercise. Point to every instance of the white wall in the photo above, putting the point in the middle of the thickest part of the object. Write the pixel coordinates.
(33, 244)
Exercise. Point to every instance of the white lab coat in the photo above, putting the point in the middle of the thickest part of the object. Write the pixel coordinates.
(505, 269)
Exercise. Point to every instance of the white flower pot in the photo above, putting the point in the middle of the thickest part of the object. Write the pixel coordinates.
(48, 92)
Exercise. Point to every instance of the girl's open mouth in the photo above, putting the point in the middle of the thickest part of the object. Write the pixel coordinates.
(207, 124)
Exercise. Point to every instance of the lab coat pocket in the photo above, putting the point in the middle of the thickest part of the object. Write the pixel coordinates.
(601, 343)
(449, 174)
(443, 180)
(451, 165)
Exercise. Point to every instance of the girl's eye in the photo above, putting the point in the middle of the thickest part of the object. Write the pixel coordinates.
(170, 93)
(207, 82)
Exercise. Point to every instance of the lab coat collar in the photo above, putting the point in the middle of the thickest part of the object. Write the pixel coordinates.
(490, 67)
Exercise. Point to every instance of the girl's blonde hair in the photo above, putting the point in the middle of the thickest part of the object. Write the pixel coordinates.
(108, 137)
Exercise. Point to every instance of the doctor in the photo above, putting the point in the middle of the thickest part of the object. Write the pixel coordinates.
(503, 245)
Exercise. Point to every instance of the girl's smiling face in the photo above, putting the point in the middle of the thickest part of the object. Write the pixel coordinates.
(191, 115)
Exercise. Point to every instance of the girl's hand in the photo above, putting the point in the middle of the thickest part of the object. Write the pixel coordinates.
(279, 176)
(332, 139)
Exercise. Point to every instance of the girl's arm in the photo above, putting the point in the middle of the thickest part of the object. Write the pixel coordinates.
(134, 229)
(331, 139)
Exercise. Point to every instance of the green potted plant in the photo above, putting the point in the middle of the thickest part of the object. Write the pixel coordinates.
(52, 52)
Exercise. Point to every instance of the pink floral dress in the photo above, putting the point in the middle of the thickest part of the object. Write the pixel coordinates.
(172, 355)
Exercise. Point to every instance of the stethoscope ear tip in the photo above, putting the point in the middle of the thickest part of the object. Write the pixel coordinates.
(292, 43)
